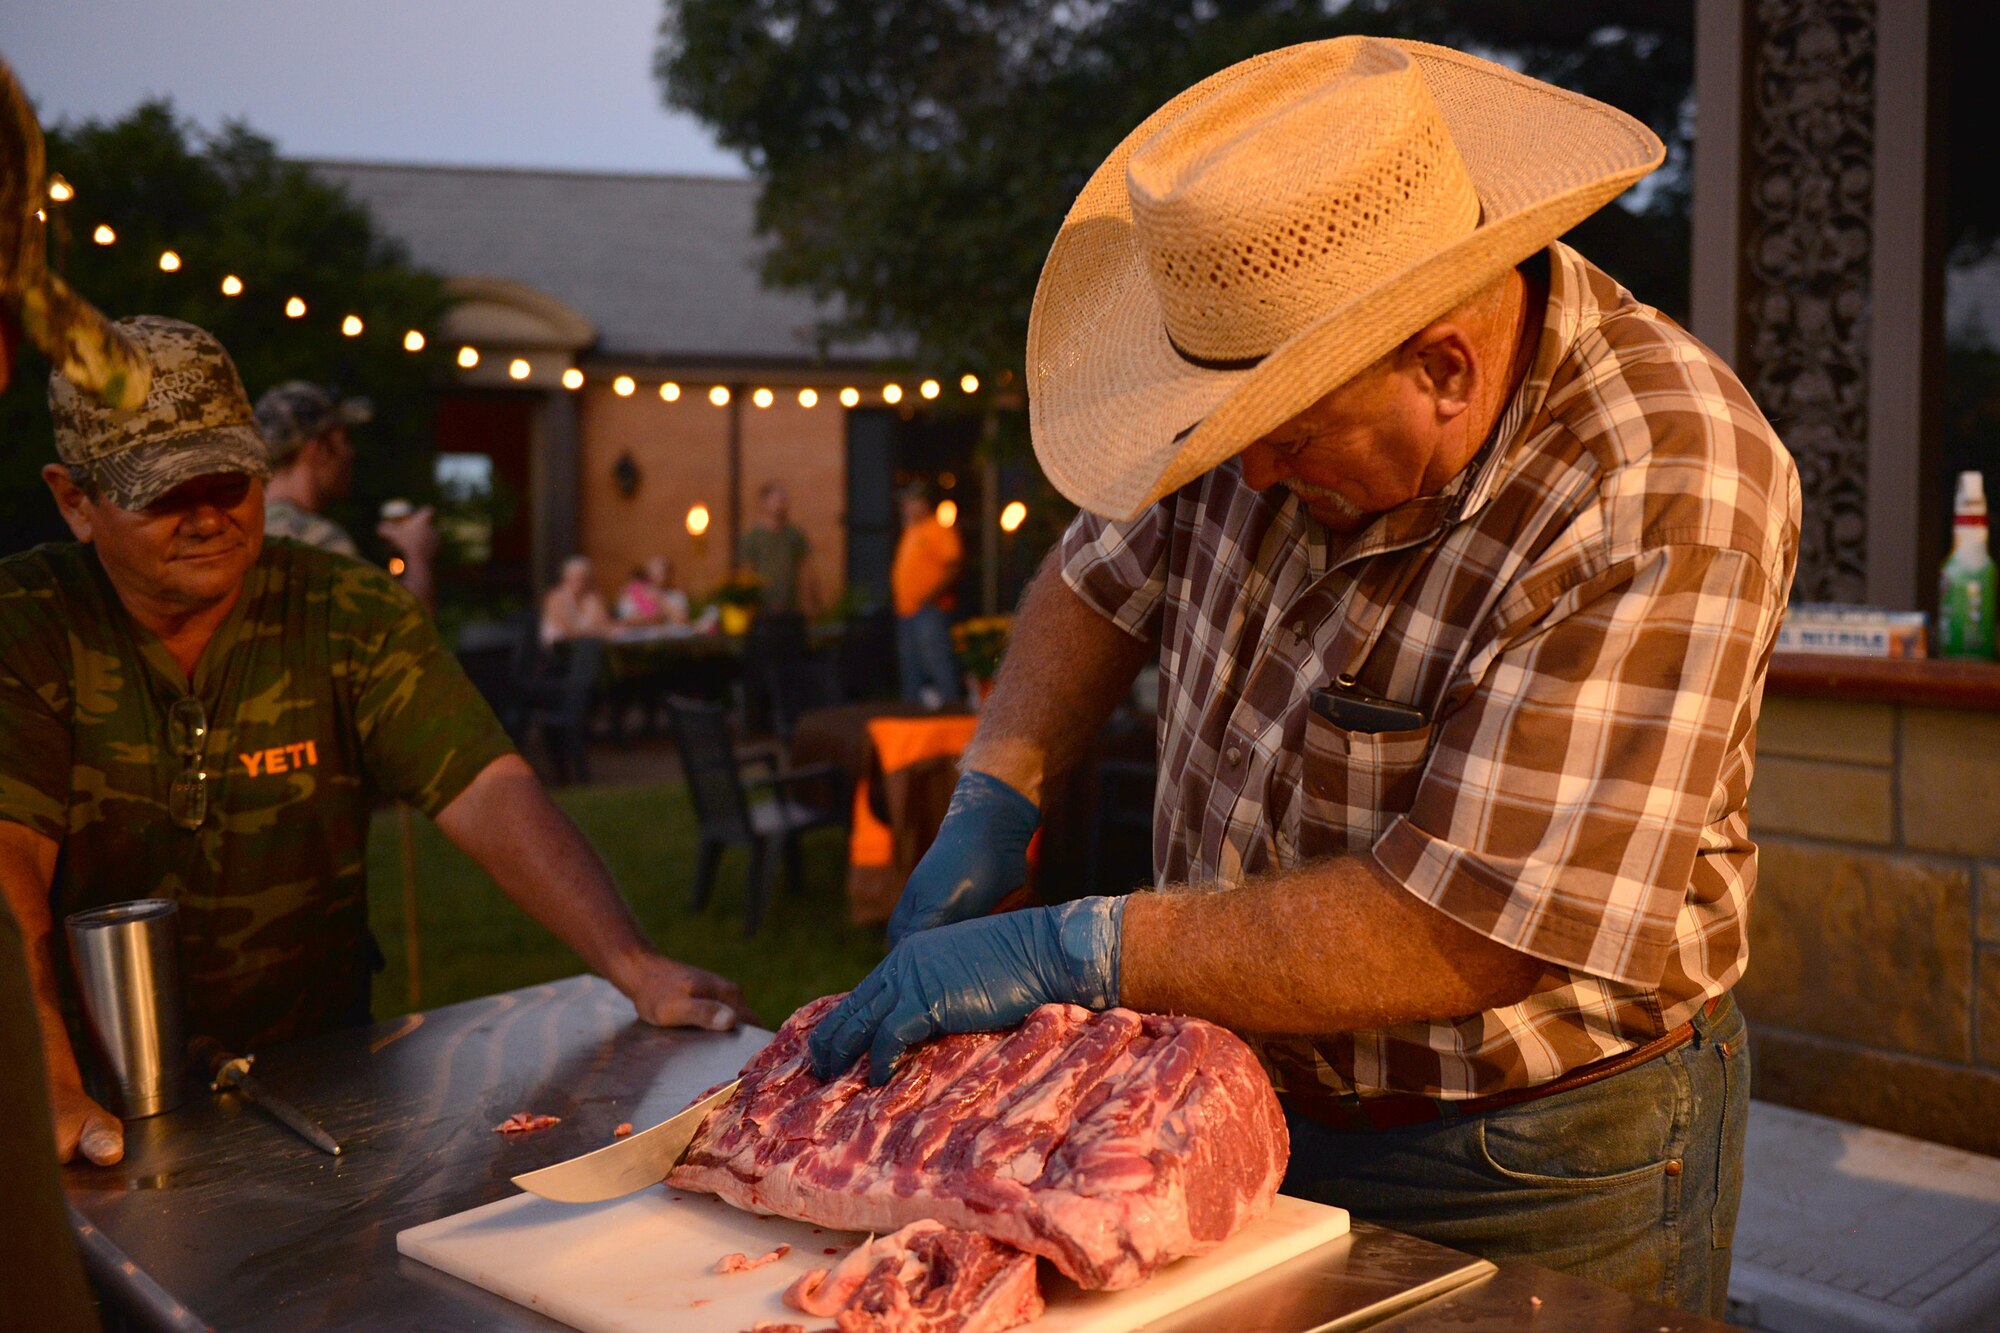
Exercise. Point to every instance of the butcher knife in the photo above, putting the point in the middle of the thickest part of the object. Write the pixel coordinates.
(629, 1165)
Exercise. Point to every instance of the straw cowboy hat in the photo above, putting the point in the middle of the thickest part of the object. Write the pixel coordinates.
(1276, 229)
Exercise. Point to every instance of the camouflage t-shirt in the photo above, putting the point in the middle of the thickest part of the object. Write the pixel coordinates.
(326, 686)
(282, 518)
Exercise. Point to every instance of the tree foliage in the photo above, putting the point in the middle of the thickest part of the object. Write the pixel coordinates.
(917, 156)
(226, 204)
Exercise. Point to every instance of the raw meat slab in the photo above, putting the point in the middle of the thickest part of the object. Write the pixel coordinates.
(1109, 1143)
(638, 1263)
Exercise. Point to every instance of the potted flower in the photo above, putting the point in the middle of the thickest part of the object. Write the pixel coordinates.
(980, 642)
(738, 598)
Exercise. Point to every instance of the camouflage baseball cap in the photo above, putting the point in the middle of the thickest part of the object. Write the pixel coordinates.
(195, 420)
(295, 412)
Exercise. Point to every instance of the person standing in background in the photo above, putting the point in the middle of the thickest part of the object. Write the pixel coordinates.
(929, 556)
(777, 552)
(312, 466)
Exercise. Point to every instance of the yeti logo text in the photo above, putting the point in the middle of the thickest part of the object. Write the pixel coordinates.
(280, 758)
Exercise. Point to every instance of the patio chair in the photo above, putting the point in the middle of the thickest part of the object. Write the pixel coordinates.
(719, 781)
(558, 707)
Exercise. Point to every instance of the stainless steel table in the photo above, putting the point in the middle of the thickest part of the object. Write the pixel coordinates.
(248, 1226)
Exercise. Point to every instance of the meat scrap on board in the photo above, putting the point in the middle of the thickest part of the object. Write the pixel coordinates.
(1110, 1144)
(526, 1122)
(739, 1262)
(927, 1278)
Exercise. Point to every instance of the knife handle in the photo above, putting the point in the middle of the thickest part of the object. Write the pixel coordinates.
(208, 1055)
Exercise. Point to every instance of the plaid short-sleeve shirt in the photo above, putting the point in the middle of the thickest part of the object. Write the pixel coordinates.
(1584, 618)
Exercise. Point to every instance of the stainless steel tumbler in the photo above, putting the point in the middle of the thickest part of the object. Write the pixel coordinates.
(128, 972)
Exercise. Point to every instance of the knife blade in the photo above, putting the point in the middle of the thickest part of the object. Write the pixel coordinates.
(233, 1072)
(628, 1165)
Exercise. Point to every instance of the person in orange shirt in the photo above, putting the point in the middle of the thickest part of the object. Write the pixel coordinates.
(928, 558)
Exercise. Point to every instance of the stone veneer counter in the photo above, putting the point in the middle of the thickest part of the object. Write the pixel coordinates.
(1873, 989)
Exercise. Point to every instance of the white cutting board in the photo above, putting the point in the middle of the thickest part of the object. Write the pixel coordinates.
(641, 1263)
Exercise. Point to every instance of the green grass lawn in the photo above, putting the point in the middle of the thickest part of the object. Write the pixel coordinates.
(475, 942)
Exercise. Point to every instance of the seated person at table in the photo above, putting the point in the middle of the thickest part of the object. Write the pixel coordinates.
(650, 597)
(189, 712)
(572, 609)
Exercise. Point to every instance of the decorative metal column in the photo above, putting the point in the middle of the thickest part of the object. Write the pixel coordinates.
(1818, 272)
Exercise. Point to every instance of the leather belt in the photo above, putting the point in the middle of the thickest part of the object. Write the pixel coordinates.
(1399, 1110)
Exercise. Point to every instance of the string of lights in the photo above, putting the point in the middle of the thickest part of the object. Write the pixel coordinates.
(519, 367)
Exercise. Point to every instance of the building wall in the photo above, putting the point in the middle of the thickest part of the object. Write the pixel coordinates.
(1873, 990)
(682, 451)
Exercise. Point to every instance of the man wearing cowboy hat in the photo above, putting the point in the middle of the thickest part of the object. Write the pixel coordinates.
(190, 712)
(1463, 568)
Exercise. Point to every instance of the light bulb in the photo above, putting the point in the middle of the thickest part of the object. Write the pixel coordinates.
(763, 398)
(1013, 516)
(929, 388)
(468, 357)
(892, 393)
(103, 235)
(572, 378)
(947, 513)
(232, 285)
(518, 369)
(969, 383)
(351, 326)
(850, 397)
(624, 385)
(413, 341)
(295, 308)
(719, 395)
(808, 398)
(169, 262)
(670, 392)
(60, 190)
(697, 520)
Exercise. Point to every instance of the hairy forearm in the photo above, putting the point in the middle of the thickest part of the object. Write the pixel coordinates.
(506, 822)
(1066, 667)
(27, 869)
(1334, 946)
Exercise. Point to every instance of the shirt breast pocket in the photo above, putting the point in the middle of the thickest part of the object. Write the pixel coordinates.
(1355, 783)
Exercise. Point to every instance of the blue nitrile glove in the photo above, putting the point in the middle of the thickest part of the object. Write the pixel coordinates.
(980, 856)
(973, 976)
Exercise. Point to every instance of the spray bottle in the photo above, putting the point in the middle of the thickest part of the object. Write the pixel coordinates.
(1966, 585)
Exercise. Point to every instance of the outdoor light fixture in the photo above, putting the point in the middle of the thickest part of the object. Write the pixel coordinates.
(41, 215)
(351, 326)
(295, 308)
(947, 513)
(808, 398)
(625, 475)
(518, 369)
(850, 397)
(929, 388)
(396, 566)
(572, 378)
(763, 398)
(413, 341)
(103, 235)
(624, 385)
(719, 395)
(892, 393)
(697, 520)
(468, 357)
(169, 262)
(969, 382)
(232, 285)
(60, 190)
(670, 392)
(1013, 516)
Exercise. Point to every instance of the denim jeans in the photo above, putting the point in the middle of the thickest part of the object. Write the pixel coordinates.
(924, 656)
(1632, 1181)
